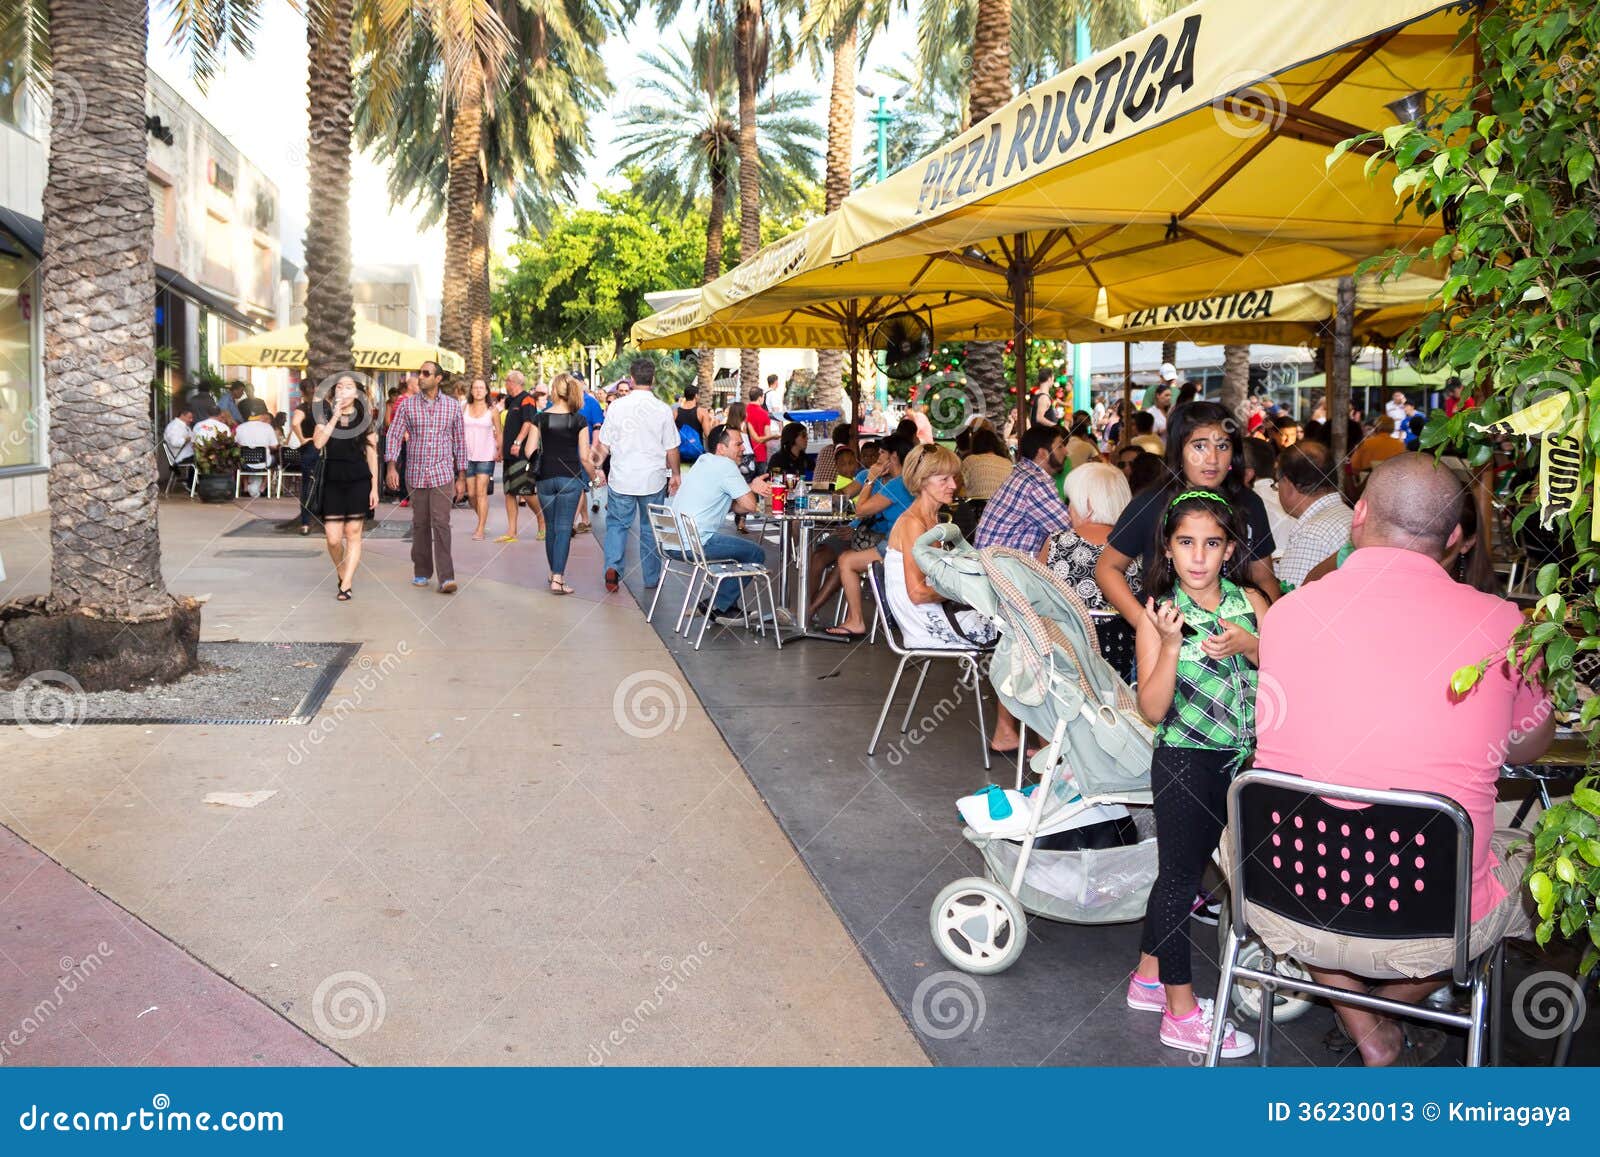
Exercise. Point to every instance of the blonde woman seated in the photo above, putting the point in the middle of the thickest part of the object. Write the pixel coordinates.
(1097, 493)
(925, 619)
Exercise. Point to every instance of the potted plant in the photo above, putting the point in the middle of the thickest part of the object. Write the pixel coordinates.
(217, 458)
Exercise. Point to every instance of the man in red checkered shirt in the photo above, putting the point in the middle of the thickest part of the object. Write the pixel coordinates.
(429, 426)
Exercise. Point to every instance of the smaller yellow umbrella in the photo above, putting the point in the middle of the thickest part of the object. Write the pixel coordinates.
(376, 347)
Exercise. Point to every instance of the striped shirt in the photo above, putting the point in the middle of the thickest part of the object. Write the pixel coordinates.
(434, 437)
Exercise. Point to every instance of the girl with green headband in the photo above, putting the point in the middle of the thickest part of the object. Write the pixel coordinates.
(1197, 648)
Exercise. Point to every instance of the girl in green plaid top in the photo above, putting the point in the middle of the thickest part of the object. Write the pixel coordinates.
(1197, 648)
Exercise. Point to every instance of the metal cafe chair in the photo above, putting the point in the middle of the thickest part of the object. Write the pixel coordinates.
(1397, 868)
(669, 538)
(174, 465)
(716, 573)
(256, 462)
(968, 657)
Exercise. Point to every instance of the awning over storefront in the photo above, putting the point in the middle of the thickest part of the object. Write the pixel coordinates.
(207, 299)
(377, 347)
(25, 230)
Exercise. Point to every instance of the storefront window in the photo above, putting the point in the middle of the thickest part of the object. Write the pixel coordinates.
(20, 391)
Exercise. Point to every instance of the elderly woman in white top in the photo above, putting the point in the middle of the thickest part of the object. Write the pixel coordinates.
(1096, 495)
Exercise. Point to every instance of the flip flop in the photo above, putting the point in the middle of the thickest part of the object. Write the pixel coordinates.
(507, 538)
(845, 636)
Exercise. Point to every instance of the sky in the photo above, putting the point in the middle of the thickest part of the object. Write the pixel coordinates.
(260, 105)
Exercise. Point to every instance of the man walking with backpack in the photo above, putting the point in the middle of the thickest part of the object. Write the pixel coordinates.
(694, 423)
(642, 438)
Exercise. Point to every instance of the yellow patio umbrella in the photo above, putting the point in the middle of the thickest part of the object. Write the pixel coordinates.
(1190, 159)
(376, 347)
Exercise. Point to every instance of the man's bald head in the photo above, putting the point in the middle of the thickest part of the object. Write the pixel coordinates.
(1411, 502)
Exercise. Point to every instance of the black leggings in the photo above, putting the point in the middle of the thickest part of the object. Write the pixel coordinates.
(1190, 786)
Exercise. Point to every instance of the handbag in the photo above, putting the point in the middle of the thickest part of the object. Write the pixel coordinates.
(313, 496)
(536, 463)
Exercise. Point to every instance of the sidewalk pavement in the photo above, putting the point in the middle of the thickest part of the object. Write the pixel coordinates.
(511, 836)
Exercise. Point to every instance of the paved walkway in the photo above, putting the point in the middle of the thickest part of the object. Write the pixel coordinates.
(513, 836)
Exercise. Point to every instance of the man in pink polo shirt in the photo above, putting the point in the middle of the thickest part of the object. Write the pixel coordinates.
(1344, 700)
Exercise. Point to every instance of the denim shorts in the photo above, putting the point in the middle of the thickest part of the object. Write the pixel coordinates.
(484, 468)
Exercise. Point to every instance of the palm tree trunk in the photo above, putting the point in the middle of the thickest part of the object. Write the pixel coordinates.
(836, 187)
(989, 89)
(463, 191)
(716, 220)
(108, 621)
(482, 359)
(330, 305)
(746, 51)
(1236, 381)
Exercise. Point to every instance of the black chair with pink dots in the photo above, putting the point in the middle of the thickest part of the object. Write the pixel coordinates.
(1395, 866)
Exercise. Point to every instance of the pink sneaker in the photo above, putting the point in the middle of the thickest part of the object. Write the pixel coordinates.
(1146, 997)
(1192, 1033)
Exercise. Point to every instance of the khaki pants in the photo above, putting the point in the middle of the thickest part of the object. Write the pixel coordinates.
(430, 532)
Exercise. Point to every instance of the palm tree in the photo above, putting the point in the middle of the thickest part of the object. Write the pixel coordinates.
(330, 301)
(1235, 380)
(109, 620)
(845, 28)
(533, 140)
(681, 139)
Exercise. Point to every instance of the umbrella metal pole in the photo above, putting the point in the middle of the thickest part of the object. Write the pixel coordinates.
(1125, 422)
(1020, 274)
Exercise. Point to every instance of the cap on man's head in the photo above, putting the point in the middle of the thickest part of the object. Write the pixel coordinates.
(1169, 372)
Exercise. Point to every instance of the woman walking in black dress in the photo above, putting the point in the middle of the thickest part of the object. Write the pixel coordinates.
(348, 441)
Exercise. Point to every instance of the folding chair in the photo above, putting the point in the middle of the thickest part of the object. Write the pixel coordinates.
(968, 657)
(717, 573)
(669, 538)
(1398, 868)
(174, 465)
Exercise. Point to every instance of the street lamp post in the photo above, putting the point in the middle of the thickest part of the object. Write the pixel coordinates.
(1080, 352)
(883, 118)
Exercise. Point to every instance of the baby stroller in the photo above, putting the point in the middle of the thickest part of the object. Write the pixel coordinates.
(1080, 845)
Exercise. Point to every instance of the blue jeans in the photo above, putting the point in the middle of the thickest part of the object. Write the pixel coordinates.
(559, 497)
(729, 548)
(622, 511)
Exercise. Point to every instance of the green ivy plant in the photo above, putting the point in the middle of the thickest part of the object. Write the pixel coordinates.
(1511, 168)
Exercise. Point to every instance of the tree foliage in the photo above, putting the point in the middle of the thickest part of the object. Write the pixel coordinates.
(1511, 165)
(584, 279)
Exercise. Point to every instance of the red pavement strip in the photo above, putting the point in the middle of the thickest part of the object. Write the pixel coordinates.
(77, 972)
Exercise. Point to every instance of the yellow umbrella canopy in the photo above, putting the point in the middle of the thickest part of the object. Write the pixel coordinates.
(1284, 315)
(1190, 159)
(376, 347)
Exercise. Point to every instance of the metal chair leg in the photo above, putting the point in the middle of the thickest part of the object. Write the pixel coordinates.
(1480, 1011)
(656, 598)
(1497, 978)
(689, 586)
(1230, 959)
(711, 603)
(772, 608)
(977, 695)
(1564, 1045)
(692, 600)
(905, 724)
(1022, 751)
(888, 699)
(1264, 1022)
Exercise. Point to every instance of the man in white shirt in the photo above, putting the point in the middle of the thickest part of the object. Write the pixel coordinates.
(1307, 485)
(256, 432)
(1260, 474)
(642, 439)
(774, 399)
(1161, 401)
(179, 437)
(1396, 409)
(711, 489)
(208, 427)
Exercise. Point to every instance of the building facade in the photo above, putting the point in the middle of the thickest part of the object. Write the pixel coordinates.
(215, 246)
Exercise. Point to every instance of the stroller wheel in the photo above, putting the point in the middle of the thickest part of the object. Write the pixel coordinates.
(978, 926)
(1286, 1006)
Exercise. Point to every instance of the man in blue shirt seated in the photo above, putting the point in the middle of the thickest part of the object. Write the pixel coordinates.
(880, 500)
(706, 494)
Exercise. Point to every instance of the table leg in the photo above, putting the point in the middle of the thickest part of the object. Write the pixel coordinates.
(803, 579)
(783, 560)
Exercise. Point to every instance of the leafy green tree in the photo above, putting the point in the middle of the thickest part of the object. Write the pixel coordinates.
(584, 279)
(1514, 166)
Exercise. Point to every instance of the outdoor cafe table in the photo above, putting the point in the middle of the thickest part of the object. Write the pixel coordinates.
(1567, 761)
(804, 521)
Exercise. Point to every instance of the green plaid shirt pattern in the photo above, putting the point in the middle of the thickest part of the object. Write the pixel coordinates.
(1213, 701)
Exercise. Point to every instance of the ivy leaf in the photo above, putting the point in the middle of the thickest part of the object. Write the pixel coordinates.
(1588, 799)
(1590, 851)
(1465, 679)
(1542, 933)
(1565, 872)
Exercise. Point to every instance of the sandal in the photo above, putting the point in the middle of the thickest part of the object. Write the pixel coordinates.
(845, 636)
(344, 594)
(507, 538)
(558, 586)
